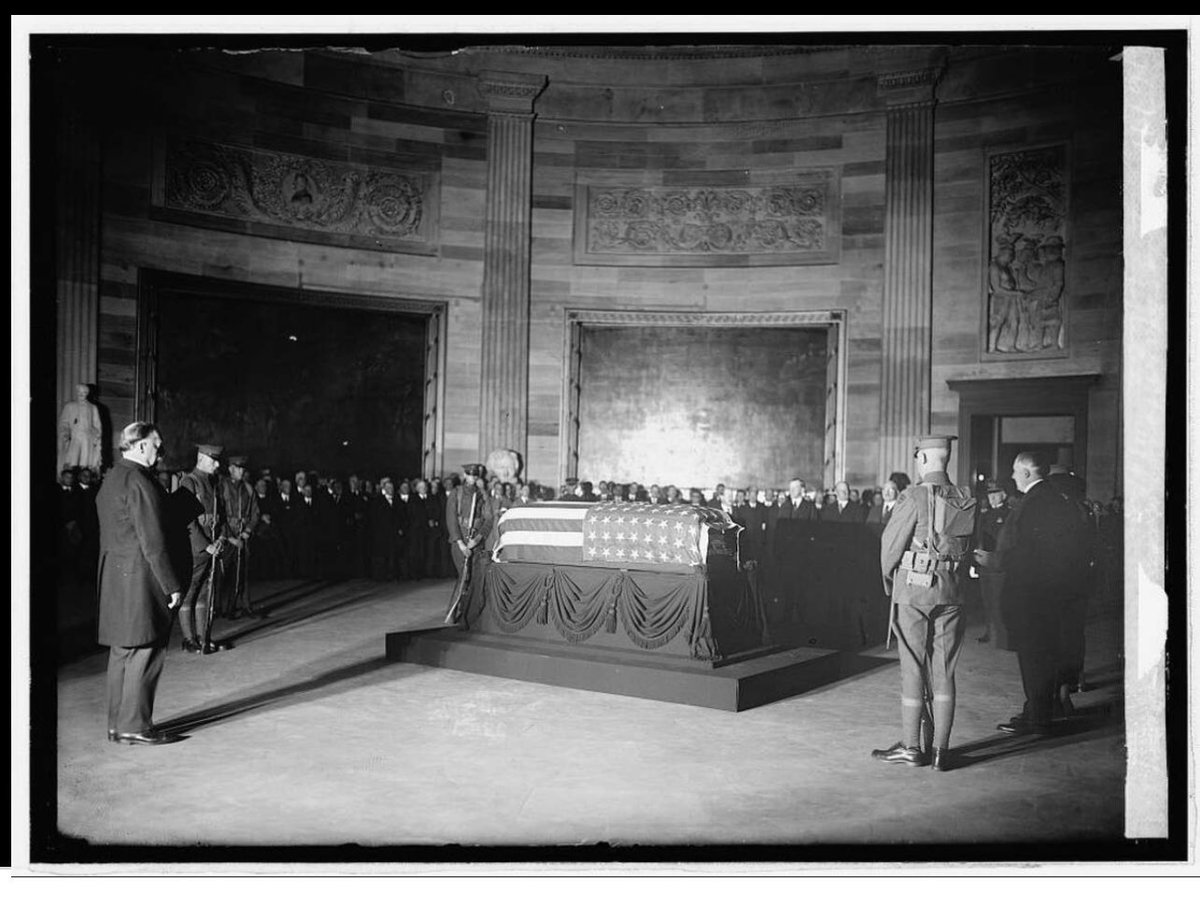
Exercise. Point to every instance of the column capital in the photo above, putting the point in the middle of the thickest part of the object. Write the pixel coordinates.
(909, 87)
(510, 92)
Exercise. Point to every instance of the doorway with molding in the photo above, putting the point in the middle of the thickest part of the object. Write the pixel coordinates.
(999, 418)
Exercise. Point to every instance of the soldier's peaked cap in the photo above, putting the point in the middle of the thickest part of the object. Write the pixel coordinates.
(934, 441)
(239, 460)
(211, 450)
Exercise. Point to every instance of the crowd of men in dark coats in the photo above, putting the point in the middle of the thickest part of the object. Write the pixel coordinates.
(307, 525)
(316, 527)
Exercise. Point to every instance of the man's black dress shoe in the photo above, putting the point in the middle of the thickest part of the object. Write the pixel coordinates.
(112, 735)
(941, 759)
(190, 645)
(211, 648)
(148, 738)
(1022, 726)
(899, 754)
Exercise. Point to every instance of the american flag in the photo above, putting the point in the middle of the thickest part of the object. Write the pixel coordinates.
(664, 537)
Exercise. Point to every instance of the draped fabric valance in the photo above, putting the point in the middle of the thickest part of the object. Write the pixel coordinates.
(705, 616)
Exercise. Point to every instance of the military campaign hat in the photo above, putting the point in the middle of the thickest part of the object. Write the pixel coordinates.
(926, 442)
(211, 450)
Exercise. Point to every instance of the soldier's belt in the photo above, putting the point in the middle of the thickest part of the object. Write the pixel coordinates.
(921, 566)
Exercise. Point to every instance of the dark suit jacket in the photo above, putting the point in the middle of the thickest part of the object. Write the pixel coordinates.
(386, 524)
(805, 510)
(877, 519)
(851, 513)
(136, 577)
(1043, 549)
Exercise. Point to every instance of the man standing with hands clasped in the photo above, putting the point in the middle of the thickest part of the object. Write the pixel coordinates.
(925, 554)
(138, 586)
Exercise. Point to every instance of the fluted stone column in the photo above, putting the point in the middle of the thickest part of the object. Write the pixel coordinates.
(908, 266)
(504, 388)
(77, 255)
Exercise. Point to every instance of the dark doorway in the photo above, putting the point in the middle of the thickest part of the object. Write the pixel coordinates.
(288, 381)
(1000, 418)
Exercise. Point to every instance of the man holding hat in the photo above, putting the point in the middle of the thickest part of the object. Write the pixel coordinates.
(241, 515)
(206, 528)
(924, 556)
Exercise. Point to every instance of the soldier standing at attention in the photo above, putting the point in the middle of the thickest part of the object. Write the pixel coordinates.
(206, 528)
(469, 516)
(924, 557)
(241, 514)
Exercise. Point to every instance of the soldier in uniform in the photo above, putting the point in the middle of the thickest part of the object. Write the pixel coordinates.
(924, 557)
(206, 531)
(469, 517)
(242, 516)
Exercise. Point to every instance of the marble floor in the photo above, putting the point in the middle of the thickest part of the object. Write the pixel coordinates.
(304, 735)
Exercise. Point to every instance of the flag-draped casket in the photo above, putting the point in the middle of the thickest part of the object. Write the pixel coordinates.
(624, 575)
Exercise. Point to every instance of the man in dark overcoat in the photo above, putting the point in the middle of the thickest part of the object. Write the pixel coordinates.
(138, 585)
(1043, 551)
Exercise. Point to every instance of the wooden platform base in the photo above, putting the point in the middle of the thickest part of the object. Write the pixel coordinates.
(733, 687)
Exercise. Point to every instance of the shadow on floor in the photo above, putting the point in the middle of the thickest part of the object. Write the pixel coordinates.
(280, 697)
(1092, 723)
(266, 626)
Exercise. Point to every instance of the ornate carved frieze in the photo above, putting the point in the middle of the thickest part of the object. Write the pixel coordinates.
(334, 202)
(781, 219)
(1025, 307)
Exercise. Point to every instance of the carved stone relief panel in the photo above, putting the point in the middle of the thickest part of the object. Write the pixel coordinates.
(1026, 302)
(298, 197)
(710, 218)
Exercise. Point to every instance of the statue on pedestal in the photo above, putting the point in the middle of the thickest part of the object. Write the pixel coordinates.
(79, 432)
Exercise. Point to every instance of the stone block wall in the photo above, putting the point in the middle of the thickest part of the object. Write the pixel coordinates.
(671, 121)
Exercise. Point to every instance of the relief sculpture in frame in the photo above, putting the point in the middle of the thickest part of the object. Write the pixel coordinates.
(715, 219)
(1026, 307)
(294, 196)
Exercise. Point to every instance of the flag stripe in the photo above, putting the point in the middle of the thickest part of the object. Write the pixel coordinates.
(541, 537)
(539, 554)
(534, 512)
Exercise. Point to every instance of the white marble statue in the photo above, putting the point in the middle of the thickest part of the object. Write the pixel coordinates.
(79, 432)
